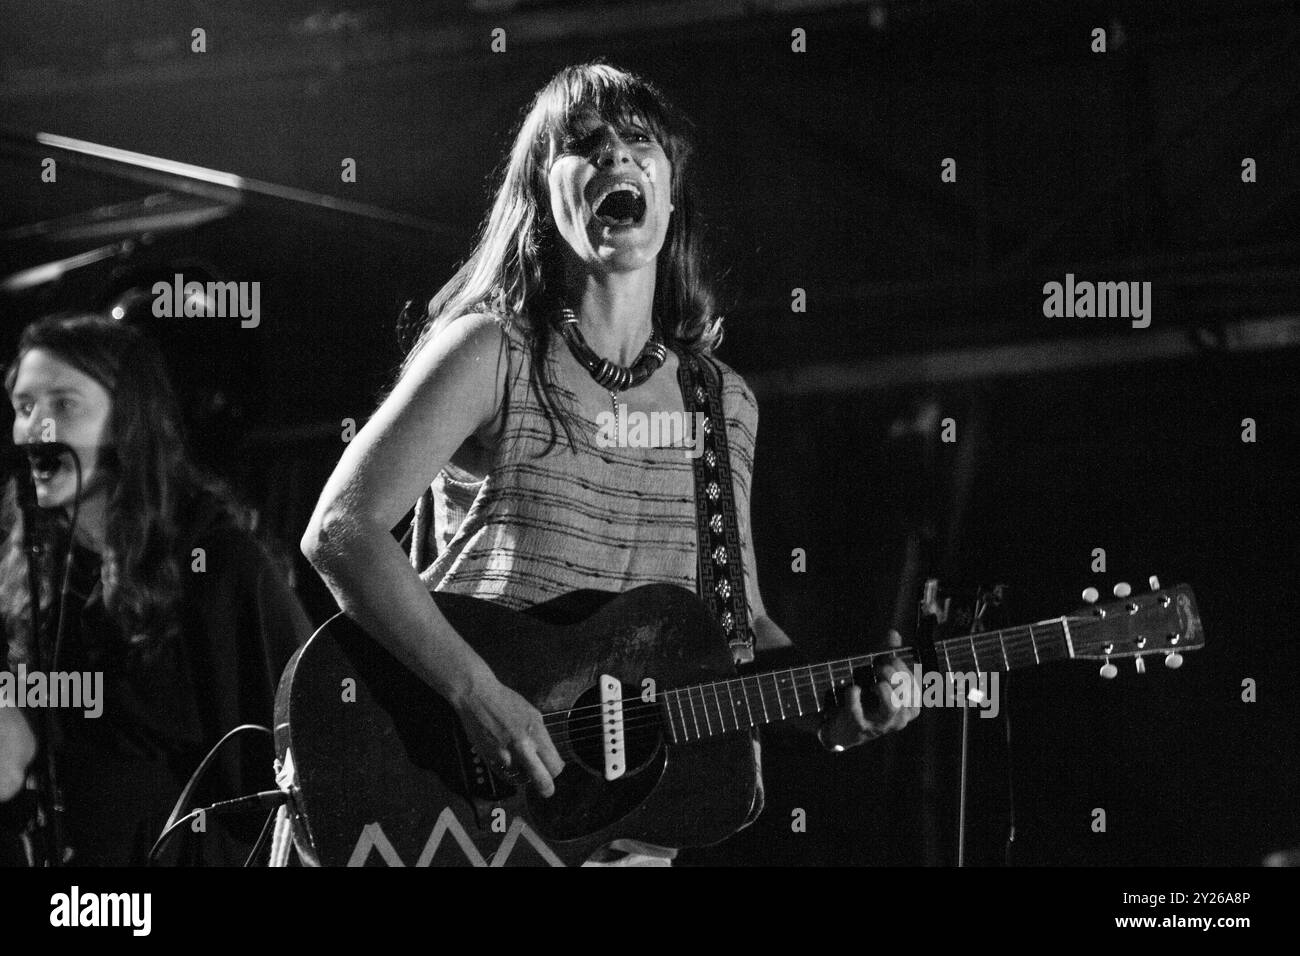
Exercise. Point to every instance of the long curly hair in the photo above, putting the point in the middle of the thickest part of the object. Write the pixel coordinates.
(150, 482)
(516, 271)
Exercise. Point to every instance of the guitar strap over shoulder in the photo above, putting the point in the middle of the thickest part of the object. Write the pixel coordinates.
(721, 573)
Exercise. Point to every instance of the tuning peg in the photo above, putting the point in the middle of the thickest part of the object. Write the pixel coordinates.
(1122, 590)
(1173, 660)
(1108, 670)
(1154, 583)
(1090, 595)
(1141, 665)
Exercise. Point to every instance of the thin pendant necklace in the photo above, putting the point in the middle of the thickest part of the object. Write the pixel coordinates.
(608, 375)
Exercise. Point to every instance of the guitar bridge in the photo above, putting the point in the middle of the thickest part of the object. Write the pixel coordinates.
(482, 786)
(611, 726)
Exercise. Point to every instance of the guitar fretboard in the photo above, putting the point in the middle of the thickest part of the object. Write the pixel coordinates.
(1026, 646)
(708, 710)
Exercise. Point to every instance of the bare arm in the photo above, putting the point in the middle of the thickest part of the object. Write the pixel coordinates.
(453, 391)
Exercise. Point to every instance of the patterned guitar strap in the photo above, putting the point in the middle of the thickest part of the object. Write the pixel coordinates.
(721, 575)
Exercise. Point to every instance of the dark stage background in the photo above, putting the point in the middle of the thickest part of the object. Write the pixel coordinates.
(820, 171)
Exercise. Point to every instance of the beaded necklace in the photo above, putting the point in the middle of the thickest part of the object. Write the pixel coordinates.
(607, 374)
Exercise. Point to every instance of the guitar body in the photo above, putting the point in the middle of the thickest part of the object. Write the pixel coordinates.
(384, 772)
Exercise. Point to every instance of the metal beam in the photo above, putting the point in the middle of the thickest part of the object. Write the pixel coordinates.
(1034, 358)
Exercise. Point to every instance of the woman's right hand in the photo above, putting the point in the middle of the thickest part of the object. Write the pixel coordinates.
(17, 751)
(509, 734)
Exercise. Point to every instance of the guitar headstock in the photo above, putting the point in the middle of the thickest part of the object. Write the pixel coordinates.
(1160, 621)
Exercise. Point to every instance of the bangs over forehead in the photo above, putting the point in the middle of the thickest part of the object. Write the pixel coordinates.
(90, 344)
(613, 96)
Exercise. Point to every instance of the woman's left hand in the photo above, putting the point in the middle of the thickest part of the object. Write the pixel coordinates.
(855, 722)
(17, 750)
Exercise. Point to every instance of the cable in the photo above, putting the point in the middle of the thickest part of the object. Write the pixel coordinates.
(261, 837)
(202, 768)
(263, 798)
(1011, 780)
(48, 722)
(67, 564)
(192, 784)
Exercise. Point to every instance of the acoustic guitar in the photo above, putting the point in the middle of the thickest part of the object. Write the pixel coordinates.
(640, 695)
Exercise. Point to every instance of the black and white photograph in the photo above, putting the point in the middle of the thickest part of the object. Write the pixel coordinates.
(815, 434)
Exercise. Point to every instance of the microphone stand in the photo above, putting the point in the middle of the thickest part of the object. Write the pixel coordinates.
(930, 607)
(49, 799)
(983, 600)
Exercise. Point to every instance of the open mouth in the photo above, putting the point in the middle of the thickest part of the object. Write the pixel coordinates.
(624, 205)
(46, 467)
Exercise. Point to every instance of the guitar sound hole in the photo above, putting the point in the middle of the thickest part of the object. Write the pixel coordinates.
(642, 735)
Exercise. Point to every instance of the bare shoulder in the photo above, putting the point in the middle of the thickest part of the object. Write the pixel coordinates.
(475, 337)
(452, 387)
(467, 357)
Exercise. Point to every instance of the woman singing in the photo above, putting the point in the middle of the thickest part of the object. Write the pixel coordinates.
(590, 252)
(171, 598)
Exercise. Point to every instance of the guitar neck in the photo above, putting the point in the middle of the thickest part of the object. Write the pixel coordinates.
(1008, 649)
(1164, 622)
(701, 711)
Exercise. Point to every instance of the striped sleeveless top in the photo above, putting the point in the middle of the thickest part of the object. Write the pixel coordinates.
(610, 518)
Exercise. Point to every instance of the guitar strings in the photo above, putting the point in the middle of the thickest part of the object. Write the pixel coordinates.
(794, 682)
(1076, 630)
(814, 684)
(998, 638)
(717, 704)
(639, 713)
(702, 728)
(796, 675)
(705, 728)
(645, 713)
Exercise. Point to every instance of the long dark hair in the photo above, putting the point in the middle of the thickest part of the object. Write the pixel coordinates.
(150, 482)
(515, 272)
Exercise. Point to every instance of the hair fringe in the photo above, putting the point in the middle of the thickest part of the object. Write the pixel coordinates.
(513, 273)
